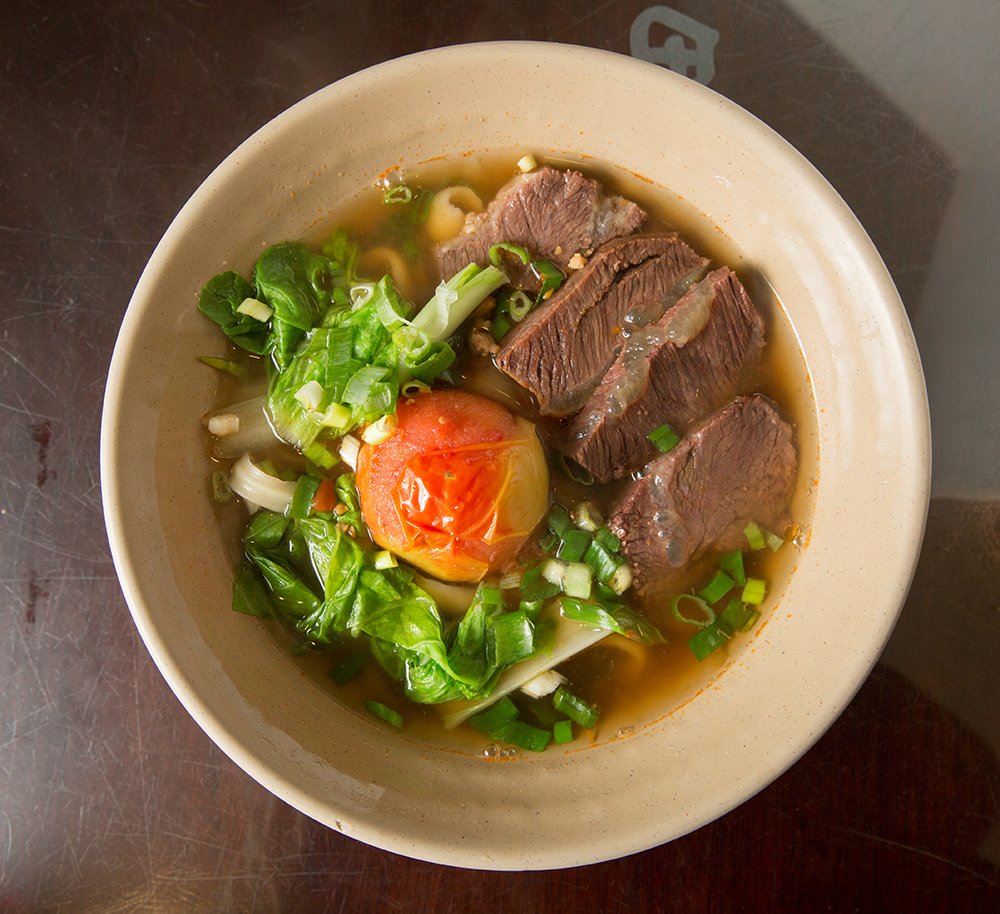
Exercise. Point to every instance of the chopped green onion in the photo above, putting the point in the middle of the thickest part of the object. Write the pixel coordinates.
(636, 626)
(518, 305)
(559, 520)
(223, 424)
(349, 666)
(384, 713)
(607, 539)
(572, 578)
(361, 294)
(221, 493)
(589, 614)
(349, 449)
(550, 275)
(710, 639)
(310, 395)
(602, 562)
(499, 327)
(522, 735)
(256, 309)
(380, 430)
(391, 310)
(573, 470)
(431, 363)
(732, 564)
(707, 611)
(233, 368)
(719, 586)
(492, 597)
(498, 250)
(549, 543)
(302, 498)
(413, 387)
(754, 536)
(546, 632)
(562, 731)
(740, 617)
(336, 416)
(421, 206)
(576, 709)
(574, 545)
(514, 637)
(495, 716)
(532, 609)
(535, 587)
(318, 453)
(754, 591)
(399, 194)
(411, 342)
(510, 581)
(363, 383)
(587, 517)
(385, 559)
(773, 541)
(621, 580)
(665, 438)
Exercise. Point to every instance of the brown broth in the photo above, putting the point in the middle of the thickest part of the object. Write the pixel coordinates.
(629, 682)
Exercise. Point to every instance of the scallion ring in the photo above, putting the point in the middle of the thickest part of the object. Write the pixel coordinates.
(399, 194)
(518, 306)
(709, 613)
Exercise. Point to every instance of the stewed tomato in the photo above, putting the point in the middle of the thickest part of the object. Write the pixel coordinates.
(458, 487)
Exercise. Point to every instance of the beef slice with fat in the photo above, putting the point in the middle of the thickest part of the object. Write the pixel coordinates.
(673, 372)
(564, 347)
(738, 466)
(553, 213)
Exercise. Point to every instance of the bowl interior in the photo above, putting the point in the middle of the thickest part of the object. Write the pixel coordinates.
(866, 456)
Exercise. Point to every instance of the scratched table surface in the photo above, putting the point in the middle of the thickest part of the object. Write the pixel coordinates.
(112, 799)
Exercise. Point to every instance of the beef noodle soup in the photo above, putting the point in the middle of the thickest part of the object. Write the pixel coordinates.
(514, 450)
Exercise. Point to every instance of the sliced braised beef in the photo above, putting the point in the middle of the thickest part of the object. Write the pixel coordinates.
(737, 467)
(554, 214)
(563, 349)
(674, 371)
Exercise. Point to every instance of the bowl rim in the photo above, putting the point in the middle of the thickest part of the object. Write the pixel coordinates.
(583, 848)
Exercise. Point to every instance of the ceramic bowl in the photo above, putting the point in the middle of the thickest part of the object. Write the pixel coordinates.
(865, 452)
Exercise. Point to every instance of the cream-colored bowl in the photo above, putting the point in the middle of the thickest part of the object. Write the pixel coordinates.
(865, 450)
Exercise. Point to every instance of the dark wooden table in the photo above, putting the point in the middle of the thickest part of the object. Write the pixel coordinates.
(112, 799)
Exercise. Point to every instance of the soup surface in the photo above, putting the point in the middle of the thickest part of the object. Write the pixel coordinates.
(652, 646)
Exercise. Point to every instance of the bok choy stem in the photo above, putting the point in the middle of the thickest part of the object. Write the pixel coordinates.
(456, 299)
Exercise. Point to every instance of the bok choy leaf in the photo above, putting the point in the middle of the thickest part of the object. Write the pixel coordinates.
(316, 576)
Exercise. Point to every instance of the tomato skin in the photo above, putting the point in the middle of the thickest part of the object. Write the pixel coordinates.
(459, 486)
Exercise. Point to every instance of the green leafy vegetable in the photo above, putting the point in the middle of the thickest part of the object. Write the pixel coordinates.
(220, 298)
(323, 582)
(456, 299)
(300, 286)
